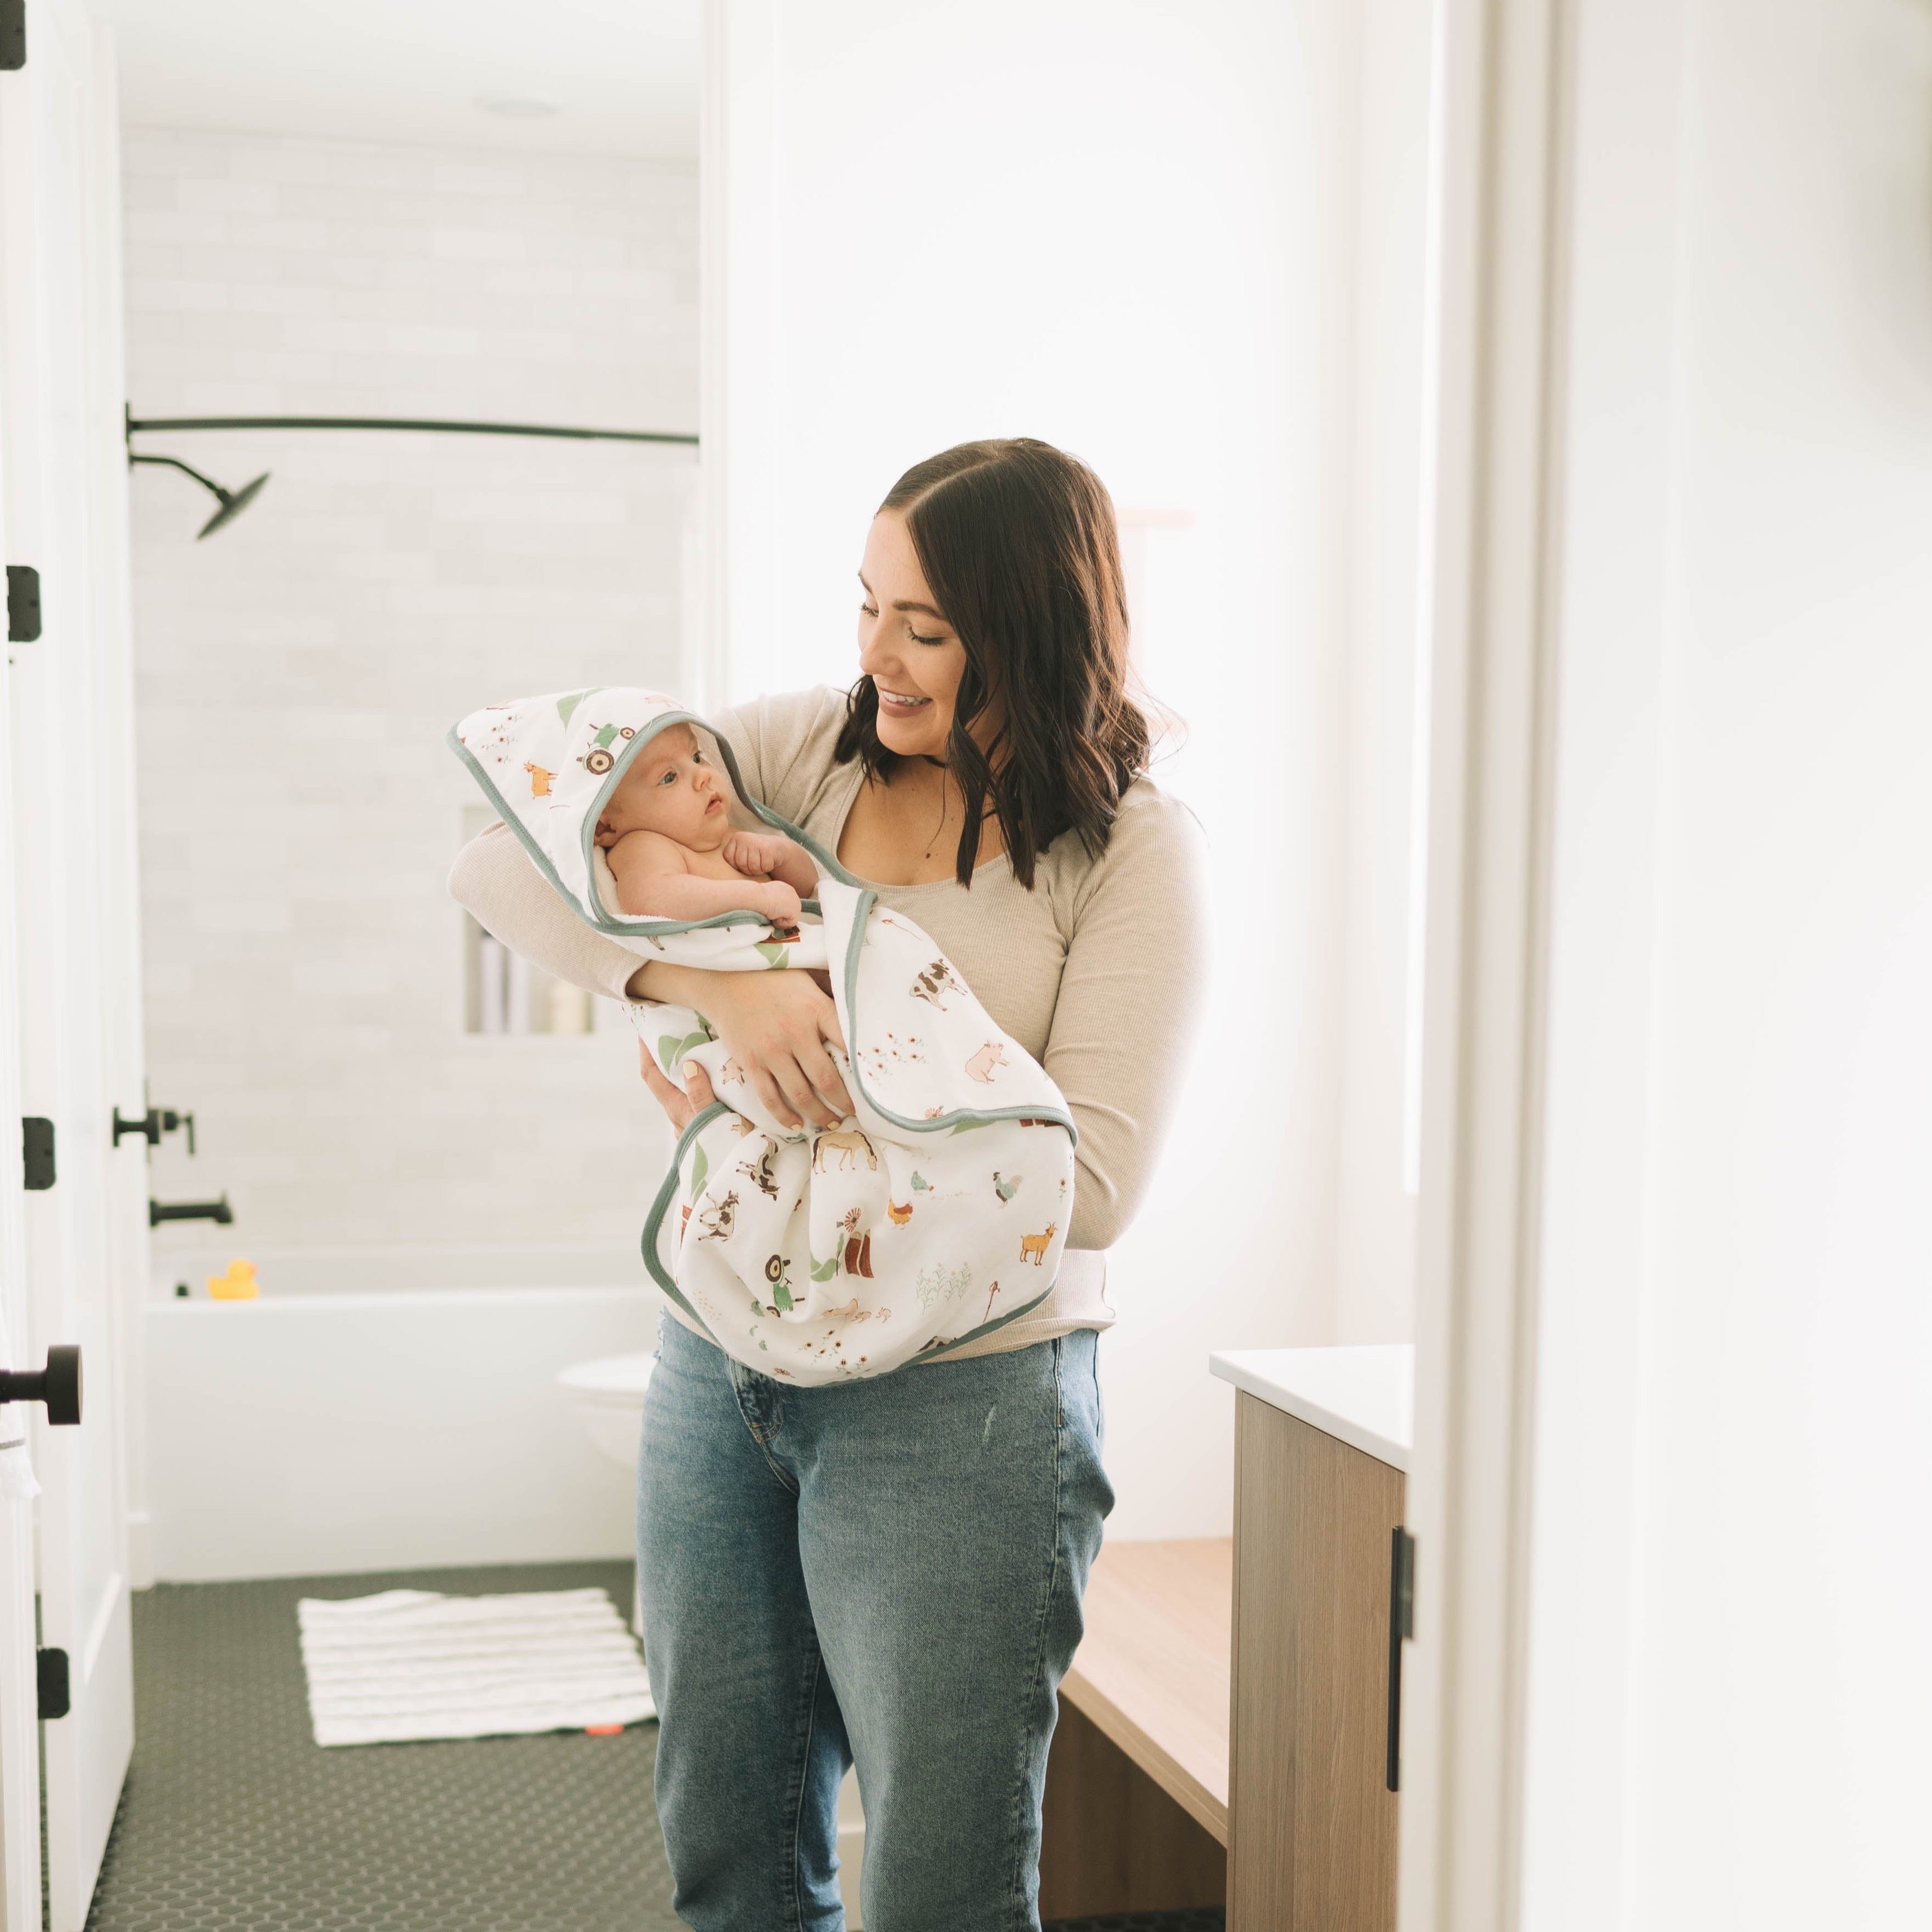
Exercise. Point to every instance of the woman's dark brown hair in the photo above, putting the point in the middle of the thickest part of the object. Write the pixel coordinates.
(1018, 543)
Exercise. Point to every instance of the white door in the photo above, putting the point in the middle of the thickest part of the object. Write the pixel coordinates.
(75, 909)
(19, 1744)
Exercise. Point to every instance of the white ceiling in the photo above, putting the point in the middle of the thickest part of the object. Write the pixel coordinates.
(623, 73)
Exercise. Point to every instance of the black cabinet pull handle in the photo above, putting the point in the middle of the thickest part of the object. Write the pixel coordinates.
(57, 1385)
(1402, 1624)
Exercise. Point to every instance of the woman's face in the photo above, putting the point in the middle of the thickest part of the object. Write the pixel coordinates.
(913, 655)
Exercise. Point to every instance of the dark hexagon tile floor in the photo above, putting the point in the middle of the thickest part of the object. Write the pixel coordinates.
(233, 1817)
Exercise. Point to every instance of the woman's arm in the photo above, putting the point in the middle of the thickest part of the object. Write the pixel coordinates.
(493, 880)
(776, 1023)
(1130, 996)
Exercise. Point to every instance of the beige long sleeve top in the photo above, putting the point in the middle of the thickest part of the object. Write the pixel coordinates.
(1097, 972)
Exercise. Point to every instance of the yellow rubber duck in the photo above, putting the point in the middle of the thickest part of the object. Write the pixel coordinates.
(238, 1284)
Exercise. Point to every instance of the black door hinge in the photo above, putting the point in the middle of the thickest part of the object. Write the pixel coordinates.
(13, 35)
(1402, 1624)
(23, 587)
(51, 1677)
(37, 1153)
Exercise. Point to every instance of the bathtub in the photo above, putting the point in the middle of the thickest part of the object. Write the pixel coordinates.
(380, 1409)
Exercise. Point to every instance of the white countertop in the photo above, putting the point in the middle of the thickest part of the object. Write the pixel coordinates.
(1364, 1396)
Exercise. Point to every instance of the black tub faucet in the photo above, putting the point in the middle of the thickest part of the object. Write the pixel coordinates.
(217, 1211)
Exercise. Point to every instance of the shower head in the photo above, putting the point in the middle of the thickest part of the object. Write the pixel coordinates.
(232, 501)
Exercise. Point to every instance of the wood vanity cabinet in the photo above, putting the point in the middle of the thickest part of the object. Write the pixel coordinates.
(1286, 1637)
(1312, 1822)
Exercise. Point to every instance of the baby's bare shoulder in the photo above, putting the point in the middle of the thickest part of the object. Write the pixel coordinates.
(647, 853)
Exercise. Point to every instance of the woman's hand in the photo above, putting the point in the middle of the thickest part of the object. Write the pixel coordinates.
(682, 1105)
(776, 1025)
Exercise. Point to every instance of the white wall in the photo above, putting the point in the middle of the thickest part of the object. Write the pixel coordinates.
(1731, 1685)
(1132, 233)
(1375, 1213)
(297, 670)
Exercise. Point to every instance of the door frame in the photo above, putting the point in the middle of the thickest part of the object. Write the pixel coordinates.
(1503, 115)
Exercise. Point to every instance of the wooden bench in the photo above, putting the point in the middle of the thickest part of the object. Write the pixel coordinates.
(1136, 1812)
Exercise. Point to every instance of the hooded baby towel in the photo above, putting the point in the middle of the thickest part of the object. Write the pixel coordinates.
(935, 1214)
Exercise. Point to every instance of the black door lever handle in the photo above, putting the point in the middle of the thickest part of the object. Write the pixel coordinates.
(57, 1385)
(152, 1125)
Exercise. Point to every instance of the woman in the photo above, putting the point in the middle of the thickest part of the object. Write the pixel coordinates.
(890, 1571)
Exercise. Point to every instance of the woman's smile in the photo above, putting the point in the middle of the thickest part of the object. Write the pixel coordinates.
(900, 701)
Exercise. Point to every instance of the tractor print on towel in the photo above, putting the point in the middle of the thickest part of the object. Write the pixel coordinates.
(849, 1146)
(1033, 1247)
(720, 1220)
(600, 757)
(981, 1066)
(781, 1297)
(858, 1254)
(933, 984)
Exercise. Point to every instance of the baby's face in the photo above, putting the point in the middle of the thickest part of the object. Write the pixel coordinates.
(672, 787)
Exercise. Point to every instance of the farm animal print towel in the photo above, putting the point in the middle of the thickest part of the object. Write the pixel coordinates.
(937, 1213)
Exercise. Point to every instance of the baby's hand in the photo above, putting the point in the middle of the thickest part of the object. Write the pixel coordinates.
(757, 852)
(777, 901)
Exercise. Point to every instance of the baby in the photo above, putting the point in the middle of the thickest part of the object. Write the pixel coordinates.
(674, 852)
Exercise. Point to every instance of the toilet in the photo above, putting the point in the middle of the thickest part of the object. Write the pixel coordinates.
(608, 1396)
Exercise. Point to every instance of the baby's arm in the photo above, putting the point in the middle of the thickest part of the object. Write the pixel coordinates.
(653, 883)
(776, 857)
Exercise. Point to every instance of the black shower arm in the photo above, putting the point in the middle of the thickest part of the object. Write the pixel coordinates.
(431, 424)
(176, 462)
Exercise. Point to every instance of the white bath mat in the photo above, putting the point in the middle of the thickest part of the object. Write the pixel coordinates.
(406, 1665)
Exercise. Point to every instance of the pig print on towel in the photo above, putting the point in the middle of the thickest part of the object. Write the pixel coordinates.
(981, 1066)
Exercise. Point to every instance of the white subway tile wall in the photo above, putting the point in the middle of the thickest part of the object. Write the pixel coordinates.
(305, 971)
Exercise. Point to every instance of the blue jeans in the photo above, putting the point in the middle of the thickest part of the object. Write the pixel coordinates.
(884, 1572)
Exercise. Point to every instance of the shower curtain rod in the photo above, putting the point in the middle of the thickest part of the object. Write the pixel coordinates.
(139, 423)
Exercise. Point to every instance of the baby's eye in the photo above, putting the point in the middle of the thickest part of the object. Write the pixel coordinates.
(669, 777)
